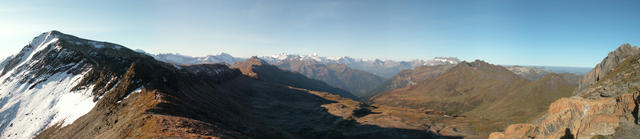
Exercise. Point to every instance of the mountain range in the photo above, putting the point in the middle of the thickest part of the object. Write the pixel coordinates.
(183, 59)
(605, 104)
(490, 96)
(63, 86)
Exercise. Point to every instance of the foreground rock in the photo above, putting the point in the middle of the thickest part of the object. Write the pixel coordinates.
(608, 108)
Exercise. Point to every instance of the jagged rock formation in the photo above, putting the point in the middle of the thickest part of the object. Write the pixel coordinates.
(357, 82)
(608, 63)
(489, 96)
(607, 108)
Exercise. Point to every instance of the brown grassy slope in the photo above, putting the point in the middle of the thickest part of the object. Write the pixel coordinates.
(606, 106)
(410, 77)
(521, 105)
(357, 82)
(459, 90)
(490, 96)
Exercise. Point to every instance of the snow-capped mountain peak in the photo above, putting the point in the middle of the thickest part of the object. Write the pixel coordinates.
(175, 58)
(50, 82)
(380, 67)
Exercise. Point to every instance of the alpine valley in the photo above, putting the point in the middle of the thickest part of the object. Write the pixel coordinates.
(63, 86)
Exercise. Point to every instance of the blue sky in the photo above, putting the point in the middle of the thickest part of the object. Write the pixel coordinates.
(521, 32)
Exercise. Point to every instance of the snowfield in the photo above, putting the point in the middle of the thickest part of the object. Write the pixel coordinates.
(28, 108)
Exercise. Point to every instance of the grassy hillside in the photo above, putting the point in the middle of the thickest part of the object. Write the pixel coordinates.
(490, 96)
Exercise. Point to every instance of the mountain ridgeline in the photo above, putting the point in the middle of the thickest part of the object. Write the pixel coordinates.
(605, 105)
(62, 86)
(357, 82)
(489, 96)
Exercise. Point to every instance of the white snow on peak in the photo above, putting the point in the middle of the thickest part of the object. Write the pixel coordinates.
(27, 108)
(442, 60)
(183, 59)
(381, 67)
(346, 60)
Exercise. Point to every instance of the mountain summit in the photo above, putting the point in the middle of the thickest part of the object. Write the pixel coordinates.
(379, 67)
(488, 95)
(68, 72)
(612, 60)
(61, 86)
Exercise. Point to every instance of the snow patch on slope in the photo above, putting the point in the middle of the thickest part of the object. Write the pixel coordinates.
(24, 112)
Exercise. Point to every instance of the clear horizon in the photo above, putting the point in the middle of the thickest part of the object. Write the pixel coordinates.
(537, 33)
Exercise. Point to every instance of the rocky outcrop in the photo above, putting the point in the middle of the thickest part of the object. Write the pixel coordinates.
(608, 63)
(578, 117)
(607, 108)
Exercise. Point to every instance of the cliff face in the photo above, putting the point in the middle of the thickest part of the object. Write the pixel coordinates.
(607, 107)
(580, 118)
(612, 60)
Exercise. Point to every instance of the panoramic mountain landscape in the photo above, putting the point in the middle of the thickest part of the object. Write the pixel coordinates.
(101, 89)
(319, 69)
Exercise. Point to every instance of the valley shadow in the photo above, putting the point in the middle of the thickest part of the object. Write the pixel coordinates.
(303, 114)
(269, 109)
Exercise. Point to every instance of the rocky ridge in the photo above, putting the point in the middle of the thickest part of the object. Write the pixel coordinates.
(606, 107)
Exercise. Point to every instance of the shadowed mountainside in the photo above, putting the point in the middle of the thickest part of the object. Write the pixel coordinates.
(357, 82)
(257, 68)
